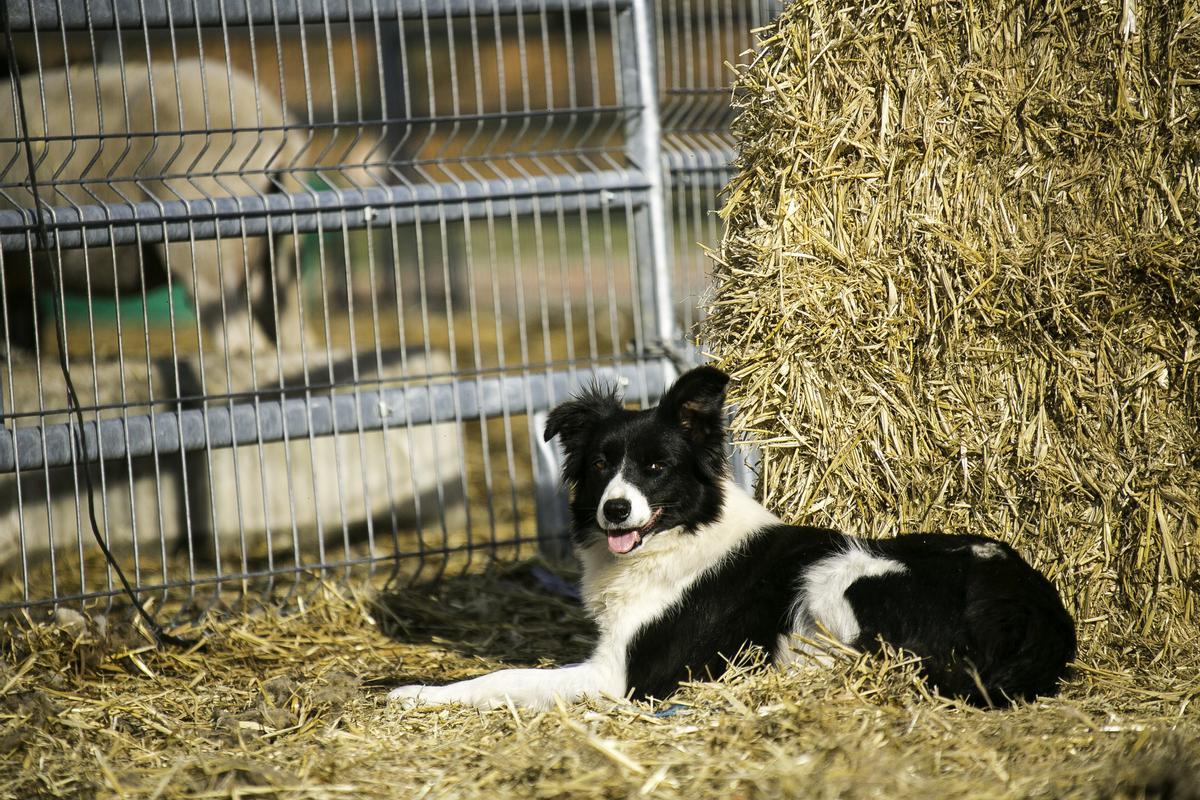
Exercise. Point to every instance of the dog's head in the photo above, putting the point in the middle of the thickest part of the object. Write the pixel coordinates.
(637, 473)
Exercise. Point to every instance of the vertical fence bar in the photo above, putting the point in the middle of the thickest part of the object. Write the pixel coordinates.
(553, 516)
(643, 148)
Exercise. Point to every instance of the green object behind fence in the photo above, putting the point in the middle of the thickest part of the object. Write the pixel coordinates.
(106, 310)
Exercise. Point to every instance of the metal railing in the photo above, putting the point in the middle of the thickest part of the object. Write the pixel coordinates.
(324, 266)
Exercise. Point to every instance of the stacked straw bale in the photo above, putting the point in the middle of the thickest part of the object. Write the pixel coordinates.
(960, 285)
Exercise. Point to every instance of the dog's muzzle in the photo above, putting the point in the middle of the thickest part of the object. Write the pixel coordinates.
(626, 540)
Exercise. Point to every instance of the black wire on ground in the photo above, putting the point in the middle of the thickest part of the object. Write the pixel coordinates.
(81, 460)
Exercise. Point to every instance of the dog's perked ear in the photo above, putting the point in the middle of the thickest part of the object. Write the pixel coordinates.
(695, 402)
(572, 420)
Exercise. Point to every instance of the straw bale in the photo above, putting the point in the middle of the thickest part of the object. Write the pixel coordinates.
(960, 286)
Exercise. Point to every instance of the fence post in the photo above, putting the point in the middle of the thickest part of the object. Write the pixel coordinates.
(643, 148)
(550, 496)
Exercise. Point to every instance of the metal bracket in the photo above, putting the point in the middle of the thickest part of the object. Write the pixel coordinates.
(552, 499)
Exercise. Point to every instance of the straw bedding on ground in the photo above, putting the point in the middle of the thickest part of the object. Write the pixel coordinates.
(293, 705)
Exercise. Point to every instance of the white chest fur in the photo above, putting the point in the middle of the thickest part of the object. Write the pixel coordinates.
(625, 592)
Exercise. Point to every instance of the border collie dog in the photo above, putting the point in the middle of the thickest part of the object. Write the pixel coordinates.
(682, 570)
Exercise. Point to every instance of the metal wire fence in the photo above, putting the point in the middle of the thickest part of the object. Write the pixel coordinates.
(322, 266)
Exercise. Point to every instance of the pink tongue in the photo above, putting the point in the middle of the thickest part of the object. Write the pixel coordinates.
(623, 542)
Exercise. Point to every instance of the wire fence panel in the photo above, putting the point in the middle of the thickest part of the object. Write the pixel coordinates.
(699, 42)
(318, 268)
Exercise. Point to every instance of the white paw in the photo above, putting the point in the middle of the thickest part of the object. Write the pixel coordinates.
(425, 696)
(412, 696)
(453, 693)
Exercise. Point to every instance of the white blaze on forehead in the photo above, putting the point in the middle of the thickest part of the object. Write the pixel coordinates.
(620, 489)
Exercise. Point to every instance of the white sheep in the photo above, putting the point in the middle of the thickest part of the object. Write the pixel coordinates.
(127, 133)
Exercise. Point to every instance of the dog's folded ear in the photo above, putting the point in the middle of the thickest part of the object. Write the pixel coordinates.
(695, 402)
(572, 420)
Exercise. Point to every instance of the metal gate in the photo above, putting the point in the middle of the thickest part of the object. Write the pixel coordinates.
(316, 269)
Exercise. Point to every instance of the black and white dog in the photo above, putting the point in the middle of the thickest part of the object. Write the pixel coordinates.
(682, 570)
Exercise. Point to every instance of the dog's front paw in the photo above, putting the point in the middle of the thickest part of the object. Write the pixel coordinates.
(413, 696)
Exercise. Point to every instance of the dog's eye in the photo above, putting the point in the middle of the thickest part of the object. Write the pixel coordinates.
(655, 468)
(599, 465)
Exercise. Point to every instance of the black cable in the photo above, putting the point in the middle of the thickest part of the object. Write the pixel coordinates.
(81, 460)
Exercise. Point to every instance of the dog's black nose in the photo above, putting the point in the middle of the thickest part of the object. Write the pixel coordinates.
(616, 510)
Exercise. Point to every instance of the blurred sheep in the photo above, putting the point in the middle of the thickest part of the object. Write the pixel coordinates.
(131, 133)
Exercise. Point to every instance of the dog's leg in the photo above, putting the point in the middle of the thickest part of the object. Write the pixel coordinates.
(528, 688)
